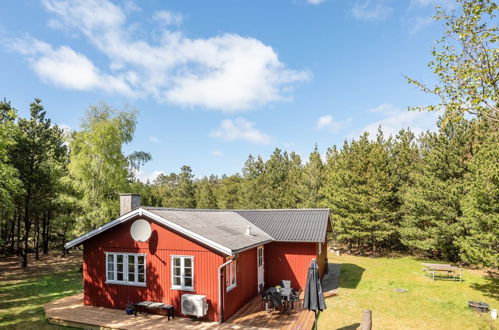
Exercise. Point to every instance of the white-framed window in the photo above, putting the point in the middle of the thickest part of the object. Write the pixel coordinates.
(126, 268)
(230, 275)
(183, 273)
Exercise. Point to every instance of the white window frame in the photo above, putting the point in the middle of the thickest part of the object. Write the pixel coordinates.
(125, 269)
(231, 274)
(259, 252)
(182, 285)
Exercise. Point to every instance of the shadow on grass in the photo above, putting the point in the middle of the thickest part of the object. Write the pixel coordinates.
(350, 327)
(351, 276)
(22, 301)
(491, 286)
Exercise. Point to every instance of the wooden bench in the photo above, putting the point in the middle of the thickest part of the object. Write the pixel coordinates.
(143, 306)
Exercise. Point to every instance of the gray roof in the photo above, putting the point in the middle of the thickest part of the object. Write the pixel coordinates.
(226, 228)
(290, 225)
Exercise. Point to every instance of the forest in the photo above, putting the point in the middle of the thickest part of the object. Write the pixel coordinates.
(435, 194)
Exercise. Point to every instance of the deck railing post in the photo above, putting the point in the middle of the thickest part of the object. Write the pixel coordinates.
(366, 320)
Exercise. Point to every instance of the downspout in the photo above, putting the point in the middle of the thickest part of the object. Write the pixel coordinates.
(220, 287)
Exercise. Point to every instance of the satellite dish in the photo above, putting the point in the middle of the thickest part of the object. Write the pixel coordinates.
(140, 230)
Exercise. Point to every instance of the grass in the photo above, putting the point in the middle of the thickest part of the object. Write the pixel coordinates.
(23, 292)
(370, 283)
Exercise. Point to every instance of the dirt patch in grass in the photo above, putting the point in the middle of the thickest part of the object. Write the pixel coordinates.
(48, 263)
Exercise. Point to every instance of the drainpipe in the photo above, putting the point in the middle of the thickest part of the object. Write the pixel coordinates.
(220, 287)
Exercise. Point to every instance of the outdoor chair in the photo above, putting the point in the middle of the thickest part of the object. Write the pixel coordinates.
(275, 300)
(295, 298)
(286, 284)
(261, 291)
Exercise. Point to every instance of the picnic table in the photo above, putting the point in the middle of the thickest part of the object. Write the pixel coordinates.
(440, 270)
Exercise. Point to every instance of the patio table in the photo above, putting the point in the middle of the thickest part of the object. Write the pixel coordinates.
(286, 294)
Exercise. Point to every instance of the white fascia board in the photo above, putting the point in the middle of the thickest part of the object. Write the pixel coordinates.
(155, 217)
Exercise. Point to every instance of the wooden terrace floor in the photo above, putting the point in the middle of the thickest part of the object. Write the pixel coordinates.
(70, 311)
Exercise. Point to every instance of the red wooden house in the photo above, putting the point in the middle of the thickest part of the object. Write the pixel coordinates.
(225, 255)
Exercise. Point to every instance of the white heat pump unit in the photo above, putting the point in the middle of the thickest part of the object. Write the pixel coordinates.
(194, 304)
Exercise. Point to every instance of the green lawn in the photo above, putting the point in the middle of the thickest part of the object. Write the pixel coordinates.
(23, 292)
(370, 283)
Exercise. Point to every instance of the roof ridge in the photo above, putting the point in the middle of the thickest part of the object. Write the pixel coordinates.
(229, 210)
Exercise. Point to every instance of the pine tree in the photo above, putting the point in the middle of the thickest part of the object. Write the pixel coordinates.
(184, 194)
(251, 186)
(37, 154)
(205, 196)
(312, 181)
(480, 242)
(229, 194)
(359, 192)
(432, 205)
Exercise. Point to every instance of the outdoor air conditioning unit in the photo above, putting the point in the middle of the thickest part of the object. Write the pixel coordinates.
(194, 304)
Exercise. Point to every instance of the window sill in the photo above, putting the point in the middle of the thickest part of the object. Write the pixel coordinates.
(126, 283)
(179, 288)
(230, 288)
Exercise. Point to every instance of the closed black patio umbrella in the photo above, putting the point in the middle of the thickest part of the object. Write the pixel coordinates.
(314, 297)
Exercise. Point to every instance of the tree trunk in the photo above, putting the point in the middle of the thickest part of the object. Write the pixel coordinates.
(18, 235)
(36, 236)
(13, 236)
(27, 225)
(63, 243)
(24, 253)
(45, 233)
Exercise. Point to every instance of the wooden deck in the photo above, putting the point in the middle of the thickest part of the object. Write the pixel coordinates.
(70, 311)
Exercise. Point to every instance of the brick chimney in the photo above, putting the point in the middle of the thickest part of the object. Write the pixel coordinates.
(129, 202)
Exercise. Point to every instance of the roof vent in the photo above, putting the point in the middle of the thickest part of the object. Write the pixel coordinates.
(248, 231)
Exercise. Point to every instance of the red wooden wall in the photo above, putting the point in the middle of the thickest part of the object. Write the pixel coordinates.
(247, 286)
(161, 245)
(288, 261)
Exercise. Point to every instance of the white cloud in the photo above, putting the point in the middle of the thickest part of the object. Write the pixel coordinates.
(155, 139)
(147, 176)
(240, 129)
(371, 10)
(324, 121)
(227, 72)
(68, 69)
(168, 18)
(217, 153)
(328, 122)
(316, 2)
(394, 119)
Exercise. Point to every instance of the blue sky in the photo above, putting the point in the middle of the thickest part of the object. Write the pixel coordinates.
(217, 80)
